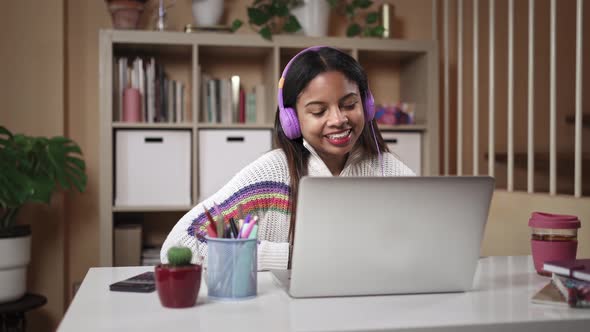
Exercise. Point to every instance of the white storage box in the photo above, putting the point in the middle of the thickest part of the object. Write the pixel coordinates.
(407, 146)
(223, 153)
(153, 167)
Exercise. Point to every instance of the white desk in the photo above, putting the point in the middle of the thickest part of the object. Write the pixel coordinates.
(500, 302)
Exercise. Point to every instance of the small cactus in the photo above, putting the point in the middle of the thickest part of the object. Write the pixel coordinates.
(179, 256)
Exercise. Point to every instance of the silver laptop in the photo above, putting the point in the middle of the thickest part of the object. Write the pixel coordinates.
(392, 235)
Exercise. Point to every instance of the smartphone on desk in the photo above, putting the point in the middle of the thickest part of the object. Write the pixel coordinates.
(141, 283)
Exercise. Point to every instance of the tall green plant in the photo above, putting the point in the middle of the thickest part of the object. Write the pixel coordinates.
(31, 168)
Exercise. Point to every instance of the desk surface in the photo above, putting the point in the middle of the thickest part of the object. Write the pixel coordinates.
(500, 301)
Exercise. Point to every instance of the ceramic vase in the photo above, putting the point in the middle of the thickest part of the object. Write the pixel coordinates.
(207, 12)
(314, 17)
(15, 255)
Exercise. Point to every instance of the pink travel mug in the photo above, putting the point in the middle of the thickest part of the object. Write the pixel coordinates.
(554, 237)
(131, 105)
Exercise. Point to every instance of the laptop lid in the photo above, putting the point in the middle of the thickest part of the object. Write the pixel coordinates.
(388, 235)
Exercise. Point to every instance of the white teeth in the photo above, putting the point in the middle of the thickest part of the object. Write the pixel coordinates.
(341, 135)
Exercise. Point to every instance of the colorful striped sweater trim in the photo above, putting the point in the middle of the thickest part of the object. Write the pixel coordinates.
(260, 196)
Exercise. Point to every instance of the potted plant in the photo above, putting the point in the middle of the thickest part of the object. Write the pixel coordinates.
(362, 21)
(179, 281)
(269, 17)
(31, 170)
(125, 13)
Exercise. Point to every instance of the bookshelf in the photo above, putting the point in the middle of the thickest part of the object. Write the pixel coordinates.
(397, 69)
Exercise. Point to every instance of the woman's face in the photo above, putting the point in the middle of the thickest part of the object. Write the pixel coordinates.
(331, 116)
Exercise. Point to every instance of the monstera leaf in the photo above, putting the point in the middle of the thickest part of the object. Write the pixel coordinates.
(33, 168)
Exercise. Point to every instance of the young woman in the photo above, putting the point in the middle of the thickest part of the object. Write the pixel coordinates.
(324, 126)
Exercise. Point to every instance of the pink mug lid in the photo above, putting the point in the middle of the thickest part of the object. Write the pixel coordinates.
(554, 221)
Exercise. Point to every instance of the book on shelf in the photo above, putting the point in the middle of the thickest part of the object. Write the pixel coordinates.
(235, 98)
(115, 74)
(215, 103)
(204, 115)
(259, 91)
(575, 268)
(120, 83)
(151, 90)
(225, 96)
(226, 101)
(163, 99)
(242, 107)
(575, 292)
(250, 107)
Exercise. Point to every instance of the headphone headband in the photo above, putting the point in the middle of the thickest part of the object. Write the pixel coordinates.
(286, 70)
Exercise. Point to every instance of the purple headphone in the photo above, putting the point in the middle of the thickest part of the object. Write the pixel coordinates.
(288, 116)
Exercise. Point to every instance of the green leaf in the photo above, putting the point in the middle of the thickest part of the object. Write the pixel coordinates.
(6, 132)
(4, 142)
(353, 30)
(372, 17)
(77, 178)
(333, 3)
(15, 187)
(59, 140)
(72, 148)
(292, 25)
(377, 31)
(279, 9)
(258, 16)
(236, 24)
(41, 190)
(364, 4)
(58, 170)
(265, 33)
(349, 10)
(77, 162)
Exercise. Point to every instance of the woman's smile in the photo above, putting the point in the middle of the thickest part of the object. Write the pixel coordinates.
(340, 138)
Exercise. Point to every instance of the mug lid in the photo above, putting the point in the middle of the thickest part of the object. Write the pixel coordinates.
(554, 221)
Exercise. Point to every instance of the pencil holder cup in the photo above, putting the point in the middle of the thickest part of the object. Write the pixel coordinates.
(231, 268)
(554, 237)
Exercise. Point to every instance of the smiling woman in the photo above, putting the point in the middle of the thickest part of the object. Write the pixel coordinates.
(324, 126)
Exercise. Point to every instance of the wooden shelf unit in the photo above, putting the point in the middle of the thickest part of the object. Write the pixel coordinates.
(397, 70)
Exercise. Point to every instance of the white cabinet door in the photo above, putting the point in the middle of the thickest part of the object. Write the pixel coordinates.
(223, 153)
(407, 146)
(153, 167)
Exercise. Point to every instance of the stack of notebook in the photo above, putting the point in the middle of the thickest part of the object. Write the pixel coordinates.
(570, 284)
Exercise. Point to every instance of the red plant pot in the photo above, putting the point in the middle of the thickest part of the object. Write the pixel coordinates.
(178, 286)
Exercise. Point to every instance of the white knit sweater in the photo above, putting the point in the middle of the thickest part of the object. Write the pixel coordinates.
(262, 188)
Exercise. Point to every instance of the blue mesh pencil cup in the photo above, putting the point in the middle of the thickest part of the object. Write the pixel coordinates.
(231, 268)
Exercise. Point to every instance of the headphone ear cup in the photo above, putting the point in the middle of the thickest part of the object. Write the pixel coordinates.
(289, 123)
(369, 106)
